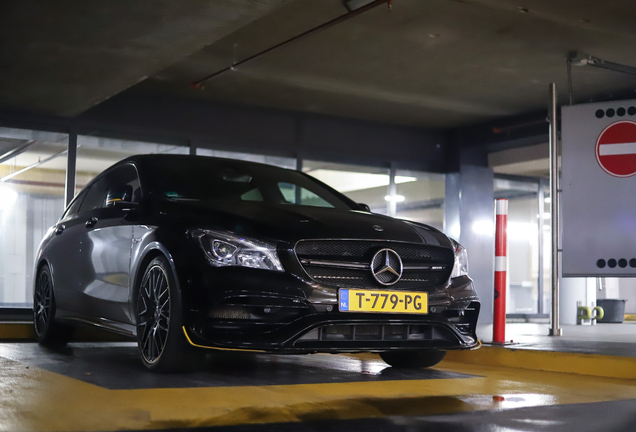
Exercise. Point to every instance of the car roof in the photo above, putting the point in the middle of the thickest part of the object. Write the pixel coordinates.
(150, 159)
(146, 161)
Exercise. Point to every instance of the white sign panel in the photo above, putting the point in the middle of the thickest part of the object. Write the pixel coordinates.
(599, 189)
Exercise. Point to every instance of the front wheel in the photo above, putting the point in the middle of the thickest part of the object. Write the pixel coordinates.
(161, 342)
(413, 359)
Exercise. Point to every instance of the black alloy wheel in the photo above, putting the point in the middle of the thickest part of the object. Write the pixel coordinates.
(154, 313)
(413, 359)
(42, 302)
(47, 330)
(160, 339)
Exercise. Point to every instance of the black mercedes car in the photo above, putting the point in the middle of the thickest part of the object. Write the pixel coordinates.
(187, 253)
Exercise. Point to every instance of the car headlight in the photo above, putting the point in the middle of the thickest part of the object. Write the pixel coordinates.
(461, 260)
(226, 249)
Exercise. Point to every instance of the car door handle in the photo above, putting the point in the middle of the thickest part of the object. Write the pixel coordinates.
(60, 229)
(91, 222)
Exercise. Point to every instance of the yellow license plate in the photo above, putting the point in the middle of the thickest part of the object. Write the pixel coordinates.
(357, 300)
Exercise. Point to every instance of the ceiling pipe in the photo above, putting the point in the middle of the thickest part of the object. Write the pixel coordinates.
(577, 59)
(580, 59)
(41, 183)
(16, 151)
(13, 174)
(342, 18)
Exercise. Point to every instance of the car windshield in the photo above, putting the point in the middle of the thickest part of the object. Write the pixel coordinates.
(214, 180)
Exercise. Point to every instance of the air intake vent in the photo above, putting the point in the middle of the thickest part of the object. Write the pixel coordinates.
(377, 333)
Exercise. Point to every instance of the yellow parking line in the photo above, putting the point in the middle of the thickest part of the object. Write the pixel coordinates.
(32, 399)
(17, 331)
(551, 361)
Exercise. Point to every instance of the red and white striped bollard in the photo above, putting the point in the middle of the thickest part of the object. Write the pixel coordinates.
(501, 268)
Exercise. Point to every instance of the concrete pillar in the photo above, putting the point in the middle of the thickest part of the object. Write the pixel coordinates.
(469, 218)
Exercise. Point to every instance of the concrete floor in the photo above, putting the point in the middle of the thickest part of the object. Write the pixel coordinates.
(102, 386)
(617, 416)
(603, 339)
(582, 381)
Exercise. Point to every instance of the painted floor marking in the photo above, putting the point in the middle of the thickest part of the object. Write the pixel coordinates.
(34, 399)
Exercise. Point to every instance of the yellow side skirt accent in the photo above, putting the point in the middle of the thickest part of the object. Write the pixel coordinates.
(217, 348)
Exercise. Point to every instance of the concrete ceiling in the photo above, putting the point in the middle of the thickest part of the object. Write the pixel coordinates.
(433, 63)
(526, 161)
(63, 57)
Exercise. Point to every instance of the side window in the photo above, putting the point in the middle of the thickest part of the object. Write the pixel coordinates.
(294, 194)
(95, 197)
(252, 195)
(124, 183)
(74, 207)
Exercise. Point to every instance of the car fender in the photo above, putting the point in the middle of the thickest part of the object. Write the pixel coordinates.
(148, 244)
(42, 258)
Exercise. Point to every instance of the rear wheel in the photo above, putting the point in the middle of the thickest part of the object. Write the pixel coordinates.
(48, 331)
(413, 359)
(161, 342)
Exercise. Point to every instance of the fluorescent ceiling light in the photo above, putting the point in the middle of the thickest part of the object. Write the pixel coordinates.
(398, 198)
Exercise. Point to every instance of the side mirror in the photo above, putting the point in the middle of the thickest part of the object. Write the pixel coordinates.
(121, 198)
(364, 207)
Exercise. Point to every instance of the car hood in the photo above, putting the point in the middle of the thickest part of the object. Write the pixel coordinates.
(290, 223)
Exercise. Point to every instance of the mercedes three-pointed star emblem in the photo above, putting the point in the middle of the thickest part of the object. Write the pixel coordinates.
(386, 267)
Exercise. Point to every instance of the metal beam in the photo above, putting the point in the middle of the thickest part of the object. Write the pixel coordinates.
(299, 167)
(541, 221)
(555, 329)
(392, 192)
(71, 165)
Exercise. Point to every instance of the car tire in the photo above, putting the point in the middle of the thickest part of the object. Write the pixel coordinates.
(48, 331)
(160, 339)
(413, 359)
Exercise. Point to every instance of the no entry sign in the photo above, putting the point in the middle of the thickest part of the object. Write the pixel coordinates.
(598, 183)
(616, 149)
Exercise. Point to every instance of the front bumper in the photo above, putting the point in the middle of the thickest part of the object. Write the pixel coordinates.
(247, 309)
(339, 332)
